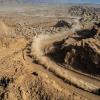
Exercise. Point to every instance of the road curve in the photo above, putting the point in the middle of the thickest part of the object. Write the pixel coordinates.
(37, 51)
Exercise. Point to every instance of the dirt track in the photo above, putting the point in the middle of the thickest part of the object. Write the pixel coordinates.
(38, 52)
(21, 75)
(26, 70)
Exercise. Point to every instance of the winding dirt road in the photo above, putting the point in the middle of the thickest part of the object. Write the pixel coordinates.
(72, 77)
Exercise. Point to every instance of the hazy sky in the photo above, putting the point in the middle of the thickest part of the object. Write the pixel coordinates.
(63, 1)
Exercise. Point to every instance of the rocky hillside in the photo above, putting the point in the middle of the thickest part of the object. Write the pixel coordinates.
(90, 13)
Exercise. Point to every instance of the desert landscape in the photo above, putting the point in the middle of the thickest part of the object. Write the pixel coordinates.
(49, 52)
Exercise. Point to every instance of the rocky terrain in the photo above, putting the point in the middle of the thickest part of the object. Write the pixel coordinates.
(50, 55)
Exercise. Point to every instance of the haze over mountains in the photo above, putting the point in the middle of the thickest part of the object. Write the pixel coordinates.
(47, 1)
(8, 1)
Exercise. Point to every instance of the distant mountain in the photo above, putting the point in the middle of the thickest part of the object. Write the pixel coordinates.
(63, 1)
(9, 1)
(47, 1)
(3, 2)
(21, 1)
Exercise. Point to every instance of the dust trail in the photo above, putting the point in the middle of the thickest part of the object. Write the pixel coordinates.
(37, 50)
(41, 41)
(77, 26)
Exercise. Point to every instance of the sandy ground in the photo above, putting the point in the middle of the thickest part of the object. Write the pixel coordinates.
(20, 77)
